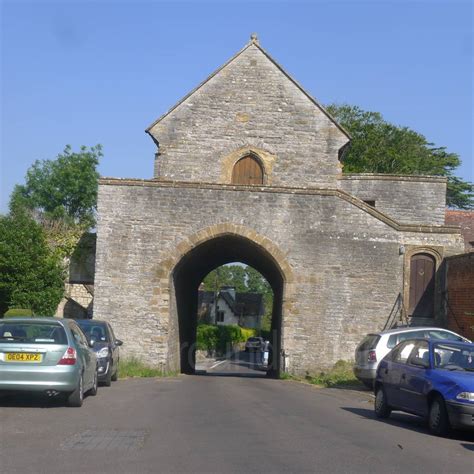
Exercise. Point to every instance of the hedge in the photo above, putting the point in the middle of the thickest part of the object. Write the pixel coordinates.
(18, 312)
(220, 339)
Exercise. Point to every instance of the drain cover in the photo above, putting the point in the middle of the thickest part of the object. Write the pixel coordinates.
(106, 440)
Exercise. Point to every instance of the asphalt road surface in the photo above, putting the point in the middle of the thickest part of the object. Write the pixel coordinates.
(230, 419)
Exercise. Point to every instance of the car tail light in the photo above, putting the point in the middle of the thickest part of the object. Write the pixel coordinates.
(372, 356)
(69, 357)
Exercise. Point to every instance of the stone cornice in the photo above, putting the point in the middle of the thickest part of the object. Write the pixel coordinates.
(393, 177)
(433, 229)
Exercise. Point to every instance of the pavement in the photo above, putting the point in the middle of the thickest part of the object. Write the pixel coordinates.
(231, 418)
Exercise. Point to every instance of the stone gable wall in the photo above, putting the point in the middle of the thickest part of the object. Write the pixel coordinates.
(347, 267)
(249, 104)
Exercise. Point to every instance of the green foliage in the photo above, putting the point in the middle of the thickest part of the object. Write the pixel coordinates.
(340, 375)
(381, 147)
(220, 339)
(18, 312)
(248, 332)
(31, 276)
(62, 189)
(206, 337)
(133, 367)
(226, 275)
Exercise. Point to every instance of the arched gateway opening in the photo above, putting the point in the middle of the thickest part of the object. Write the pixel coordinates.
(202, 259)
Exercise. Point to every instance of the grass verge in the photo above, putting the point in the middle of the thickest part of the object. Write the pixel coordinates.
(340, 375)
(135, 368)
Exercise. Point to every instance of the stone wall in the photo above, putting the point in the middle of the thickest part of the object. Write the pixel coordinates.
(344, 259)
(407, 199)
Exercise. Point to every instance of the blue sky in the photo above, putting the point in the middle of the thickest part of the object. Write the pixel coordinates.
(90, 72)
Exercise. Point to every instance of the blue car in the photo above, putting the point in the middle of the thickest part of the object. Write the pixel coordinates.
(430, 378)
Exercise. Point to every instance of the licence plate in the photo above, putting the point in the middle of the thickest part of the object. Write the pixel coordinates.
(22, 357)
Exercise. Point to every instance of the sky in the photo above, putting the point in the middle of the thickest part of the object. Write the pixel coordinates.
(89, 72)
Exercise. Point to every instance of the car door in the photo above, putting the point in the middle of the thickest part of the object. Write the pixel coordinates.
(392, 372)
(85, 354)
(413, 380)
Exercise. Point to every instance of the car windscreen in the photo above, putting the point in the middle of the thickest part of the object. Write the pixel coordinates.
(369, 342)
(454, 356)
(29, 332)
(94, 329)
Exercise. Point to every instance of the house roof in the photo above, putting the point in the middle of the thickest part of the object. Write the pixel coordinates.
(245, 304)
(205, 297)
(249, 304)
(255, 44)
(465, 220)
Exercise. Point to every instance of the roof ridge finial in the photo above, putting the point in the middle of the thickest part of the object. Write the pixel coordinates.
(254, 38)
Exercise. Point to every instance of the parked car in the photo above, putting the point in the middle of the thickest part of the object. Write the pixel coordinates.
(254, 344)
(375, 346)
(47, 355)
(429, 378)
(106, 347)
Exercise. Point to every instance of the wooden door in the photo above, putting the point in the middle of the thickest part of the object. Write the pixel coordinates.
(422, 286)
(247, 171)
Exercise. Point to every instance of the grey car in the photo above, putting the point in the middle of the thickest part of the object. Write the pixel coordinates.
(47, 355)
(375, 346)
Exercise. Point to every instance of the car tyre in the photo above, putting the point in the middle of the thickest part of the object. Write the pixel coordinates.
(93, 390)
(368, 383)
(108, 378)
(438, 420)
(381, 407)
(115, 374)
(76, 398)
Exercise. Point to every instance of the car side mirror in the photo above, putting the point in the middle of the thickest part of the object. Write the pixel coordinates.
(420, 362)
(92, 341)
(118, 342)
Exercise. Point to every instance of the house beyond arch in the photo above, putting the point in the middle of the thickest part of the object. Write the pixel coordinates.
(249, 169)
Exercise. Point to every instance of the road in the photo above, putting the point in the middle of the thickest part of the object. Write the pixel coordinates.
(218, 423)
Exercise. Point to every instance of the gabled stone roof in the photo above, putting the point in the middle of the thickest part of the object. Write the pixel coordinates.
(255, 44)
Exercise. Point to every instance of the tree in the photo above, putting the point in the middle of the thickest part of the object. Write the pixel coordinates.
(31, 276)
(381, 147)
(64, 189)
(226, 275)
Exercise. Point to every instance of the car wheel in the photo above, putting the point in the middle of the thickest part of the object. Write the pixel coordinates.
(438, 420)
(108, 378)
(381, 407)
(115, 374)
(93, 390)
(76, 398)
(368, 383)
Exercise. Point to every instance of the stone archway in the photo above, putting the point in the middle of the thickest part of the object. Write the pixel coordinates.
(181, 274)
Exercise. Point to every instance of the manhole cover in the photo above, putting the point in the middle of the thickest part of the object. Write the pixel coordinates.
(106, 440)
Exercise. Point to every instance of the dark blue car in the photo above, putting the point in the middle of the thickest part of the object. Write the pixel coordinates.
(430, 378)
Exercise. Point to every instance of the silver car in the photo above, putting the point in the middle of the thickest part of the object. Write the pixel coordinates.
(374, 347)
(47, 355)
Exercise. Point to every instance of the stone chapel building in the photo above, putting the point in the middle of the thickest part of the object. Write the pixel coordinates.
(248, 168)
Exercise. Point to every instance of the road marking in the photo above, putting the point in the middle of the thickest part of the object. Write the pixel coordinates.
(218, 363)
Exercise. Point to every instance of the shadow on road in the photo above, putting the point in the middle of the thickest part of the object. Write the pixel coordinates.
(411, 422)
(30, 400)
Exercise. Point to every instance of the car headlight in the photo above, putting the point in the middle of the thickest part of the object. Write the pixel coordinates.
(469, 396)
(104, 352)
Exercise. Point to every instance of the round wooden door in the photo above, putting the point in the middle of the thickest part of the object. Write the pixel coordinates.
(247, 171)
(422, 286)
